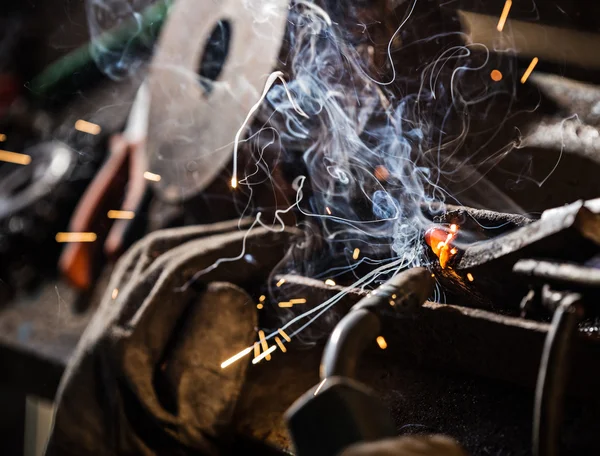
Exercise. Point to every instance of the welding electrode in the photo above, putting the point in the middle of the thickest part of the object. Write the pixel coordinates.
(360, 327)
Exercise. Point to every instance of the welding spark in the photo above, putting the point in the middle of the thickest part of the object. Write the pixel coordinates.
(151, 176)
(125, 215)
(328, 210)
(259, 306)
(330, 282)
(504, 15)
(529, 70)
(496, 75)
(382, 343)
(75, 237)
(281, 282)
(356, 253)
(284, 335)
(256, 349)
(470, 277)
(280, 344)
(262, 298)
(320, 386)
(87, 127)
(14, 157)
(264, 344)
(285, 304)
(234, 358)
(115, 293)
(266, 354)
(2, 137)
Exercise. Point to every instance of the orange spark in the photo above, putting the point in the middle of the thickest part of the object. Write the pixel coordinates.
(529, 70)
(14, 157)
(87, 127)
(381, 342)
(504, 15)
(496, 75)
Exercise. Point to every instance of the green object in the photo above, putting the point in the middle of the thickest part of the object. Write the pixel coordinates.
(67, 73)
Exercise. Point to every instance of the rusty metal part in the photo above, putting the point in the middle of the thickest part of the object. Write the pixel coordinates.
(554, 373)
(194, 115)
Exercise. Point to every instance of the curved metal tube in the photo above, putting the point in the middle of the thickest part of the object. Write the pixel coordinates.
(361, 325)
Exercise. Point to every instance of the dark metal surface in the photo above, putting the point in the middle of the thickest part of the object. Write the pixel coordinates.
(554, 375)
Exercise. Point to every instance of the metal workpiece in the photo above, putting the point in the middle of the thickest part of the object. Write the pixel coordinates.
(407, 290)
(554, 373)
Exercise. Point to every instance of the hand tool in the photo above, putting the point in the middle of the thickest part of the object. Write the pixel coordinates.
(121, 178)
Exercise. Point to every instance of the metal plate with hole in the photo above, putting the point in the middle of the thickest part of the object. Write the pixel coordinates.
(211, 64)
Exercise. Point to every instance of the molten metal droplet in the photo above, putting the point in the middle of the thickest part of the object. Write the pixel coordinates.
(439, 240)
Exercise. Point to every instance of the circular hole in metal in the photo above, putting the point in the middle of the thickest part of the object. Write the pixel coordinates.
(214, 55)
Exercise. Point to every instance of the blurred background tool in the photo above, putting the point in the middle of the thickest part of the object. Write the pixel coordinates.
(121, 180)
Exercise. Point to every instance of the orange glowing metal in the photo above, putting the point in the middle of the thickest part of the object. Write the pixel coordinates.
(439, 240)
